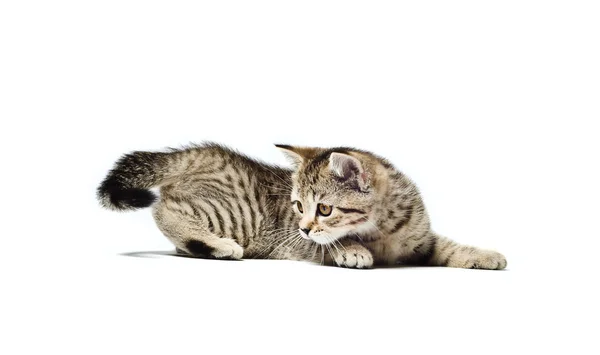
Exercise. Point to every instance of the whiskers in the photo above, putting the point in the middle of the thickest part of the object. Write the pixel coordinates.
(359, 238)
(284, 242)
(277, 190)
(287, 182)
(277, 236)
(377, 228)
(334, 243)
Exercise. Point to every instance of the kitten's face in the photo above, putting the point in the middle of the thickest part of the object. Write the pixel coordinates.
(332, 196)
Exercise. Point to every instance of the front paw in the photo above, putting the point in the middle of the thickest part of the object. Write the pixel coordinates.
(354, 257)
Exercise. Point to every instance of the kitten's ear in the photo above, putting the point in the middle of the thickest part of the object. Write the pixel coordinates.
(292, 153)
(348, 169)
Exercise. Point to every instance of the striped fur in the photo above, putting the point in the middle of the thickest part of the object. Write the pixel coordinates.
(216, 202)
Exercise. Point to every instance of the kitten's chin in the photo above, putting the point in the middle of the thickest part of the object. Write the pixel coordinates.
(364, 229)
(324, 239)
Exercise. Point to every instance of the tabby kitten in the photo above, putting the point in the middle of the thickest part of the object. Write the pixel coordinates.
(339, 206)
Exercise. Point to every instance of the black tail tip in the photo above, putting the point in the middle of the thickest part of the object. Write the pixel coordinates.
(121, 199)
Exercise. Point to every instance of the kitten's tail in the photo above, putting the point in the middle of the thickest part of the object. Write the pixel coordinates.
(126, 187)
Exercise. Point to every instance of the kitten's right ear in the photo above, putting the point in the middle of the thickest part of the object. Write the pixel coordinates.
(292, 153)
(348, 169)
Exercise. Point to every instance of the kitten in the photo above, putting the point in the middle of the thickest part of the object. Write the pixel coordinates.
(339, 206)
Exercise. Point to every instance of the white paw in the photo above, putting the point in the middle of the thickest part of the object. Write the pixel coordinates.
(226, 248)
(485, 259)
(352, 257)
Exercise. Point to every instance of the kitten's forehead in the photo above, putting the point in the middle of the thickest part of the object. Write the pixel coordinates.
(316, 178)
(317, 194)
(314, 183)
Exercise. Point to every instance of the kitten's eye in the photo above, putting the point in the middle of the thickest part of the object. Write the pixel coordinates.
(299, 207)
(324, 210)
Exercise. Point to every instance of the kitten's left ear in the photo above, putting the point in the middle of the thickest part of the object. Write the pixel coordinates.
(292, 153)
(349, 169)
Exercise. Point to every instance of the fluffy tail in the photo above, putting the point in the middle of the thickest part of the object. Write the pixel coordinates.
(126, 187)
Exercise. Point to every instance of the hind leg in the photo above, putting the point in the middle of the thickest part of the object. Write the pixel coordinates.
(190, 234)
(449, 253)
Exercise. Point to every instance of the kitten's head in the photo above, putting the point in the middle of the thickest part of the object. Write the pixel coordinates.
(332, 192)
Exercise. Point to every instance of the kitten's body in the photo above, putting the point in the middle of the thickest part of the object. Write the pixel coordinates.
(215, 202)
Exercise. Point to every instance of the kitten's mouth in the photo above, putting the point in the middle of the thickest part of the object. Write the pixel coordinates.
(324, 240)
(329, 238)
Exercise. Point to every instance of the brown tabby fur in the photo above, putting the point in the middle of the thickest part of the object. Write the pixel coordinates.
(215, 202)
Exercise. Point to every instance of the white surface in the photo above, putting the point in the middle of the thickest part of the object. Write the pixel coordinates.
(490, 107)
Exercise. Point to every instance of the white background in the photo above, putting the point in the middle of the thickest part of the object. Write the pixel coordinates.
(490, 106)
